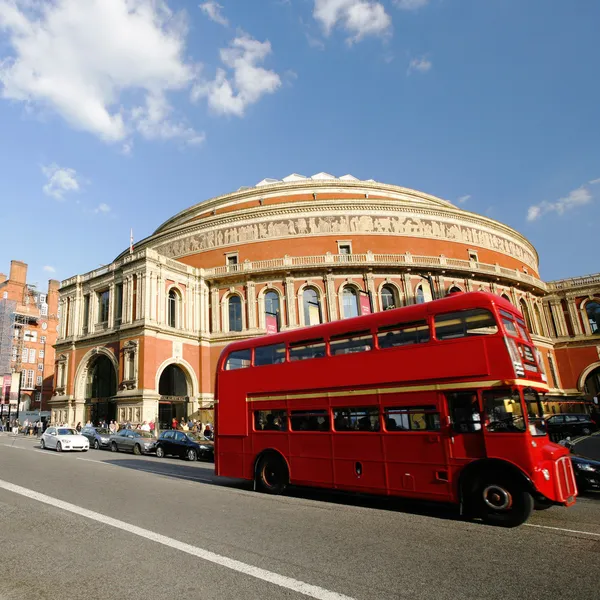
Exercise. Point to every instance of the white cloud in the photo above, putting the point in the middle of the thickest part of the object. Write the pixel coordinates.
(60, 181)
(49, 269)
(87, 59)
(594, 181)
(360, 18)
(248, 82)
(102, 208)
(212, 10)
(577, 197)
(422, 65)
(464, 198)
(410, 4)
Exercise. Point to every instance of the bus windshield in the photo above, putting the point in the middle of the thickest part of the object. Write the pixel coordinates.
(503, 410)
(535, 414)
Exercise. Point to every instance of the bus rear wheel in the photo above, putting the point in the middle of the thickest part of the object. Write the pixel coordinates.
(504, 503)
(271, 474)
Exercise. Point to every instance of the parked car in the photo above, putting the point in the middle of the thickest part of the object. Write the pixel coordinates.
(571, 424)
(184, 445)
(587, 472)
(133, 440)
(99, 437)
(63, 438)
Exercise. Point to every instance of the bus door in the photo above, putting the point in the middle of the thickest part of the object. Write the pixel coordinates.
(466, 441)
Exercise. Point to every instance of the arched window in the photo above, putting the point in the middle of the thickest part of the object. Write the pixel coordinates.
(593, 312)
(506, 298)
(388, 297)
(419, 294)
(272, 311)
(312, 307)
(454, 289)
(350, 302)
(538, 319)
(525, 311)
(173, 304)
(235, 313)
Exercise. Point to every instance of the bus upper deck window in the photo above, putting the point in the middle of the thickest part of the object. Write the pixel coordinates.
(269, 355)
(509, 323)
(351, 342)
(307, 349)
(465, 323)
(403, 334)
(240, 359)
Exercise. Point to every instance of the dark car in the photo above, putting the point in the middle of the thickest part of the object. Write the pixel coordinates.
(99, 437)
(587, 472)
(133, 440)
(571, 424)
(184, 445)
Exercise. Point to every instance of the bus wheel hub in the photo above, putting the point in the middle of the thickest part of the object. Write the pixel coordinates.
(497, 497)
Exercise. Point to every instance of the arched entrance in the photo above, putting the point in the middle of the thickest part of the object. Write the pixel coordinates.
(591, 386)
(174, 395)
(100, 389)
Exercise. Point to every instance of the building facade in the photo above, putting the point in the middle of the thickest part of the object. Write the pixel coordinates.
(140, 337)
(28, 331)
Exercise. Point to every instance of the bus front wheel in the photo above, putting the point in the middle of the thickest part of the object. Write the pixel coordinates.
(503, 502)
(271, 474)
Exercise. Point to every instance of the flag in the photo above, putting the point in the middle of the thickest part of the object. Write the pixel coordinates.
(131, 241)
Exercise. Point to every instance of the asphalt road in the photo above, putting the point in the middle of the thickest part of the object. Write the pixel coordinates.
(144, 528)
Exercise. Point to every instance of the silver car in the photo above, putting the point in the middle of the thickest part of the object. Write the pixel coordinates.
(133, 440)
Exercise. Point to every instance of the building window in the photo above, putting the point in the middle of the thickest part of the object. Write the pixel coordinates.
(24, 355)
(593, 312)
(419, 295)
(388, 297)
(235, 313)
(43, 339)
(28, 379)
(473, 257)
(350, 302)
(103, 303)
(40, 366)
(41, 354)
(344, 250)
(312, 307)
(231, 260)
(15, 351)
(38, 380)
(272, 311)
(505, 296)
(32, 355)
(44, 310)
(454, 289)
(38, 396)
(118, 302)
(42, 298)
(174, 303)
(525, 311)
(538, 320)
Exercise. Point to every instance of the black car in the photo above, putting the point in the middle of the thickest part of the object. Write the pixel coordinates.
(571, 424)
(99, 437)
(587, 472)
(184, 445)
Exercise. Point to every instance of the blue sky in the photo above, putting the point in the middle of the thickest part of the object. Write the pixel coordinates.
(119, 113)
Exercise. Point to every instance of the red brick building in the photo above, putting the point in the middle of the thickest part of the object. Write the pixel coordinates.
(30, 323)
(140, 337)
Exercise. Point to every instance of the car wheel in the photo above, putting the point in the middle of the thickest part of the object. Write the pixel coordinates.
(503, 502)
(113, 447)
(42, 444)
(137, 450)
(58, 447)
(96, 445)
(272, 474)
(160, 453)
(192, 456)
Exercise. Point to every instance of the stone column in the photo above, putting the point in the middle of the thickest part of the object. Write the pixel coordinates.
(574, 314)
(140, 295)
(216, 309)
(331, 297)
(370, 287)
(146, 305)
(559, 318)
(111, 305)
(160, 294)
(587, 328)
(251, 303)
(409, 295)
(290, 302)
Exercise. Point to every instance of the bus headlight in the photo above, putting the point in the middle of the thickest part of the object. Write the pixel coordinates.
(546, 474)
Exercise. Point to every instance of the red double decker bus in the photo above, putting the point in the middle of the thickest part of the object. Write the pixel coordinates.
(437, 401)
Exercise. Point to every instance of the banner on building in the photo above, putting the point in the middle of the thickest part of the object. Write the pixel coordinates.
(364, 299)
(271, 323)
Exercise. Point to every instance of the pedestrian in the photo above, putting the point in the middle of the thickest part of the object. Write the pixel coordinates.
(152, 426)
(145, 426)
(174, 423)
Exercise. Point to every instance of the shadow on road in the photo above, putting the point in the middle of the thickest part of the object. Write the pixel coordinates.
(174, 468)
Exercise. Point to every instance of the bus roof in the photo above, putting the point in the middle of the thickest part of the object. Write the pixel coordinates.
(404, 314)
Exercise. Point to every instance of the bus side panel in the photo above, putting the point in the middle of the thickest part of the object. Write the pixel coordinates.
(310, 458)
(416, 462)
(232, 414)
(358, 461)
(229, 461)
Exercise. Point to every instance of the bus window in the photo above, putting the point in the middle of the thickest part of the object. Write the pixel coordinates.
(535, 412)
(508, 322)
(403, 334)
(464, 412)
(270, 420)
(269, 355)
(412, 418)
(307, 349)
(359, 341)
(504, 412)
(465, 323)
(523, 330)
(238, 360)
(356, 419)
(309, 420)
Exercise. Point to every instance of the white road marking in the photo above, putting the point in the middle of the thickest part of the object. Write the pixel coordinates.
(307, 589)
(562, 529)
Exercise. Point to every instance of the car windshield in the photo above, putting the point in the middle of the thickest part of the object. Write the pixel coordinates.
(64, 431)
(144, 434)
(102, 431)
(535, 414)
